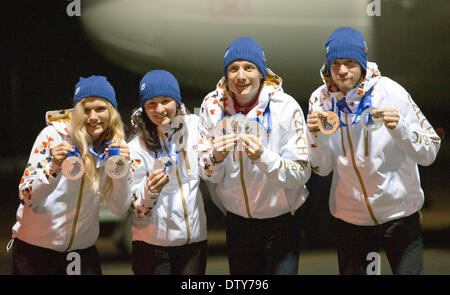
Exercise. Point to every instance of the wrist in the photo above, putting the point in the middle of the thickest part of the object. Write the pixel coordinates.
(150, 192)
(214, 159)
(54, 165)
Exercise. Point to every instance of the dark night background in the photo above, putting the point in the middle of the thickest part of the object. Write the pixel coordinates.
(44, 52)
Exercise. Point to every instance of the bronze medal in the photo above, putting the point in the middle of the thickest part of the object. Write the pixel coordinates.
(116, 166)
(330, 124)
(167, 164)
(73, 168)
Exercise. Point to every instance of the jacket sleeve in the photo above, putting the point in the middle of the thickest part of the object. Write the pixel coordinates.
(320, 152)
(290, 164)
(213, 172)
(119, 199)
(414, 134)
(40, 177)
(142, 202)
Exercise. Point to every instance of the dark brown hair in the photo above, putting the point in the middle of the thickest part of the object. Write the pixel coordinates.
(142, 126)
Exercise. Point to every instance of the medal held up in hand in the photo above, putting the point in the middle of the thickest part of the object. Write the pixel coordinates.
(73, 167)
(329, 124)
(223, 127)
(369, 122)
(167, 164)
(116, 166)
(254, 128)
(237, 123)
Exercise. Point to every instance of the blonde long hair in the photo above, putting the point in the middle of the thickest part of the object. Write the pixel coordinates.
(82, 140)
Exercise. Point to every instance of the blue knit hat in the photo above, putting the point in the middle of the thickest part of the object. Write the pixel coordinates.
(346, 43)
(247, 49)
(94, 86)
(159, 83)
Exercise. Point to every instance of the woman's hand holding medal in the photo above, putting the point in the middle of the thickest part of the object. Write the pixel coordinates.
(118, 157)
(69, 159)
(156, 181)
(59, 153)
(124, 151)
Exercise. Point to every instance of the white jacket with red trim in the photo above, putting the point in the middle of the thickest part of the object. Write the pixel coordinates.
(275, 183)
(55, 212)
(375, 173)
(176, 216)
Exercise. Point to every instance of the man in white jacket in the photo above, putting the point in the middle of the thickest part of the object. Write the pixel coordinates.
(375, 194)
(259, 183)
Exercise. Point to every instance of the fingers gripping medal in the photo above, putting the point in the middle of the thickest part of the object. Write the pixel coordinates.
(329, 124)
(369, 122)
(166, 164)
(237, 123)
(255, 128)
(116, 166)
(223, 127)
(73, 167)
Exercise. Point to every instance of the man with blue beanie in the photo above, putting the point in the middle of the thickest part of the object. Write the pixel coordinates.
(375, 194)
(257, 182)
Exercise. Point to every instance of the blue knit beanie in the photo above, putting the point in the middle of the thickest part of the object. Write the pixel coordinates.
(247, 49)
(94, 86)
(346, 43)
(159, 83)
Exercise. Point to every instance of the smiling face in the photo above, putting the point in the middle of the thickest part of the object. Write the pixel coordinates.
(346, 73)
(161, 110)
(244, 80)
(97, 117)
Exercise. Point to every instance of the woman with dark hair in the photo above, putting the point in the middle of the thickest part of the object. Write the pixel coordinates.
(169, 221)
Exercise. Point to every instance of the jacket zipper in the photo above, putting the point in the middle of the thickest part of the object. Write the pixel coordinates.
(358, 174)
(77, 213)
(184, 207)
(183, 200)
(244, 190)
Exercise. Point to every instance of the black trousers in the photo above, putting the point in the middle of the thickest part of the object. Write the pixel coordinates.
(33, 260)
(400, 238)
(263, 246)
(150, 259)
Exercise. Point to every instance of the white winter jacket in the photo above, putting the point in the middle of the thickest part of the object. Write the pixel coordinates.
(275, 183)
(177, 216)
(57, 213)
(375, 173)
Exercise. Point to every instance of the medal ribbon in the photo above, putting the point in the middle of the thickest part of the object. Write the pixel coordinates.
(366, 102)
(266, 120)
(168, 152)
(76, 153)
(102, 155)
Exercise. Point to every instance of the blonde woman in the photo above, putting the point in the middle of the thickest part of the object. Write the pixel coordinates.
(57, 219)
